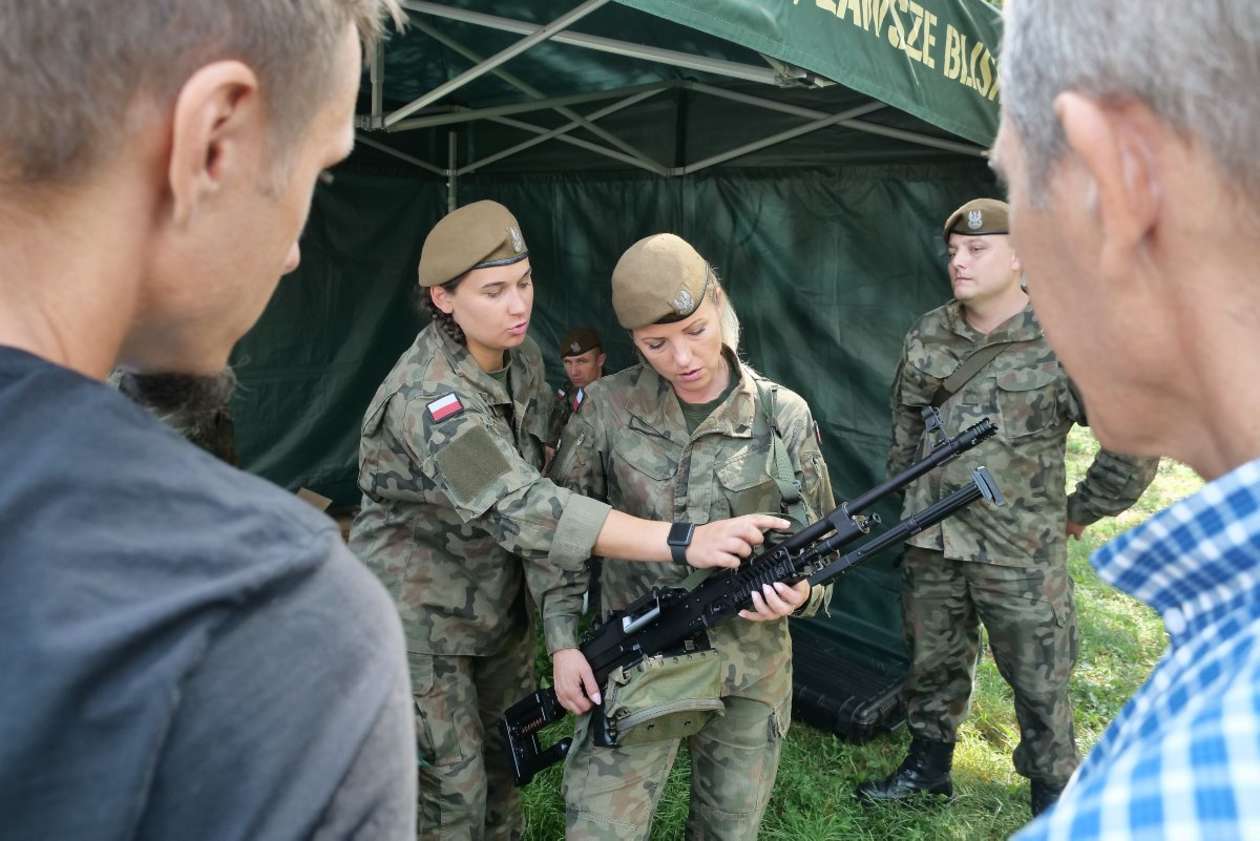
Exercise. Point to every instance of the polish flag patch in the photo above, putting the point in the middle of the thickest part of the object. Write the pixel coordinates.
(445, 407)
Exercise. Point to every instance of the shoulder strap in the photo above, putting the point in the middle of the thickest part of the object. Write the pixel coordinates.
(780, 466)
(968, 369)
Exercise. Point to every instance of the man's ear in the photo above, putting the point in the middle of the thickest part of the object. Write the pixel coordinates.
(1114, 144)
(218, 124)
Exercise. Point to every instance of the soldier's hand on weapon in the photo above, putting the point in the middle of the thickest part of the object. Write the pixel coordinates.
(773, 603)
(573, 681)
(1075, 530)
(723, 543)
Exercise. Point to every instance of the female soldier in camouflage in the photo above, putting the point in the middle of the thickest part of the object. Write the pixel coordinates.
(456, 516)
(689, 435)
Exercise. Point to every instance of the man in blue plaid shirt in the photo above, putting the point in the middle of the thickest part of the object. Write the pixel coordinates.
(1128, 138)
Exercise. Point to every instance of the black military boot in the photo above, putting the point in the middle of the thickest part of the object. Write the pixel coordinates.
(1043, 796)
(924, 770)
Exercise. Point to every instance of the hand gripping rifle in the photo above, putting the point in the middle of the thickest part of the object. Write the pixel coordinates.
(673, 619)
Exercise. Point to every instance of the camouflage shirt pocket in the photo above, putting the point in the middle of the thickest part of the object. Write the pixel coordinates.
(643, 477)
(746, 488)
(1028, 402)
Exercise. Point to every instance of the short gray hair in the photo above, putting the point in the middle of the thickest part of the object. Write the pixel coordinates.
(1196, 65)
(73, 68)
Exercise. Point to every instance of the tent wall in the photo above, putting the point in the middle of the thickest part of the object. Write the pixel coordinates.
(827, 268)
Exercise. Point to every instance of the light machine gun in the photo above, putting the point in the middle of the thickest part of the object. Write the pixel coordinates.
(675, 619)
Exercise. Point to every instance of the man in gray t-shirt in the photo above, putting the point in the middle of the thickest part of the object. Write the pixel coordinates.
(187, 652)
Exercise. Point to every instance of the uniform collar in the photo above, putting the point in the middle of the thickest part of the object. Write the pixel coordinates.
(656, 405)
(1021, 327)
(462, 362)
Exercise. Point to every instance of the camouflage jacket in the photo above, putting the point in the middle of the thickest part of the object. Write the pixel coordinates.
(629, 445)
(456, 516)
(561, 411)
(1027, 394)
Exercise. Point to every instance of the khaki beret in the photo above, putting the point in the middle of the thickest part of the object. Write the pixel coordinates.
(659, 278)
(978, 217)
(578, 341)
(476, 236)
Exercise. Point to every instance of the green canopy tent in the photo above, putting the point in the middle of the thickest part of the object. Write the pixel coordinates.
(809, 149)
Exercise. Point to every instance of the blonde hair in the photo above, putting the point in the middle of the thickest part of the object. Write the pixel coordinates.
(728, 321)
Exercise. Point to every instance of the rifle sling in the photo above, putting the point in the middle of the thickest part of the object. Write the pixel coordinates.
(970, 367)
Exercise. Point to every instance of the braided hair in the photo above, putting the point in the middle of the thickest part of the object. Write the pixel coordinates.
(444, 320)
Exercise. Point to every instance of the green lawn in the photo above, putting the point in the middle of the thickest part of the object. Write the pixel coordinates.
(1120, 641)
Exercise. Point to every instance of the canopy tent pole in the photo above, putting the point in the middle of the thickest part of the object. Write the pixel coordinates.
(360, 137)
(555, 133)
(844, 117)
(452, 171)
(464, 115)
(858, 125)
(530, 91)
(716, 66)
(541, 34)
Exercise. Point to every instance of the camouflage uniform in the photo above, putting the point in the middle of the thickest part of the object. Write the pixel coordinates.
(456, 518)
(629, 445)
(561, 410)
(1004, 566)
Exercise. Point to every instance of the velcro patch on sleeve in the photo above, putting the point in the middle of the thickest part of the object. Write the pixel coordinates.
(472, 463)
(445, 407)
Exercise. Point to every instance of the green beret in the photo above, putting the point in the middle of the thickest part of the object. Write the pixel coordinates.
(476, 236)
(660, 278)
(978, 217)
(578, 341)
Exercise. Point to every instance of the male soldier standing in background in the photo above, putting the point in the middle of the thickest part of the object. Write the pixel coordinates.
(583, 356)
(984, 355)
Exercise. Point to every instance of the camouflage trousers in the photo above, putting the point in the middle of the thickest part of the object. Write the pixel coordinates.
(465, 790)
(1031, 623)
(612, 793)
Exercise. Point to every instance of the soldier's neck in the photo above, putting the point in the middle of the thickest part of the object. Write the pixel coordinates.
(985, 316)
(488, 359)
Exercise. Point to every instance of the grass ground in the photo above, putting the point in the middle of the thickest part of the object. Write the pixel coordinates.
(812, 800)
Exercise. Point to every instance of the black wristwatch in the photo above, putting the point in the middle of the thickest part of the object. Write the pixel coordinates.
(679, 539)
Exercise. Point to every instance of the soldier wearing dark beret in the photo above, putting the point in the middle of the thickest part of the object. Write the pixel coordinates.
(983, 354)
(583, 356)
(458, 521)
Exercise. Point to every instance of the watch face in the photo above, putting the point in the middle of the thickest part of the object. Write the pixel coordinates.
(680, 534)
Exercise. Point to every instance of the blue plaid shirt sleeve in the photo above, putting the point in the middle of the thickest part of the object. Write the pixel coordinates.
(1182, 759)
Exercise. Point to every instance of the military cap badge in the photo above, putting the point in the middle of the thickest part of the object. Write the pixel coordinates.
(683, 302)
(518, 242)
(575, 347)
(975, 220)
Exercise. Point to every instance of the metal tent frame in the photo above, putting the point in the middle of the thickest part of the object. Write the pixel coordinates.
(423, 112)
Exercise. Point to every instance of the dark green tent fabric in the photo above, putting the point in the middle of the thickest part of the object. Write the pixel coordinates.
(829, 243)
(934, 59)
(947, 99)
(826, 268)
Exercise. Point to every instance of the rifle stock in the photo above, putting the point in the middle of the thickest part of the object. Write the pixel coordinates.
(665, 619)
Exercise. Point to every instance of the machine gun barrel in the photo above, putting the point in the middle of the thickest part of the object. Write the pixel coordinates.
(944, 452)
